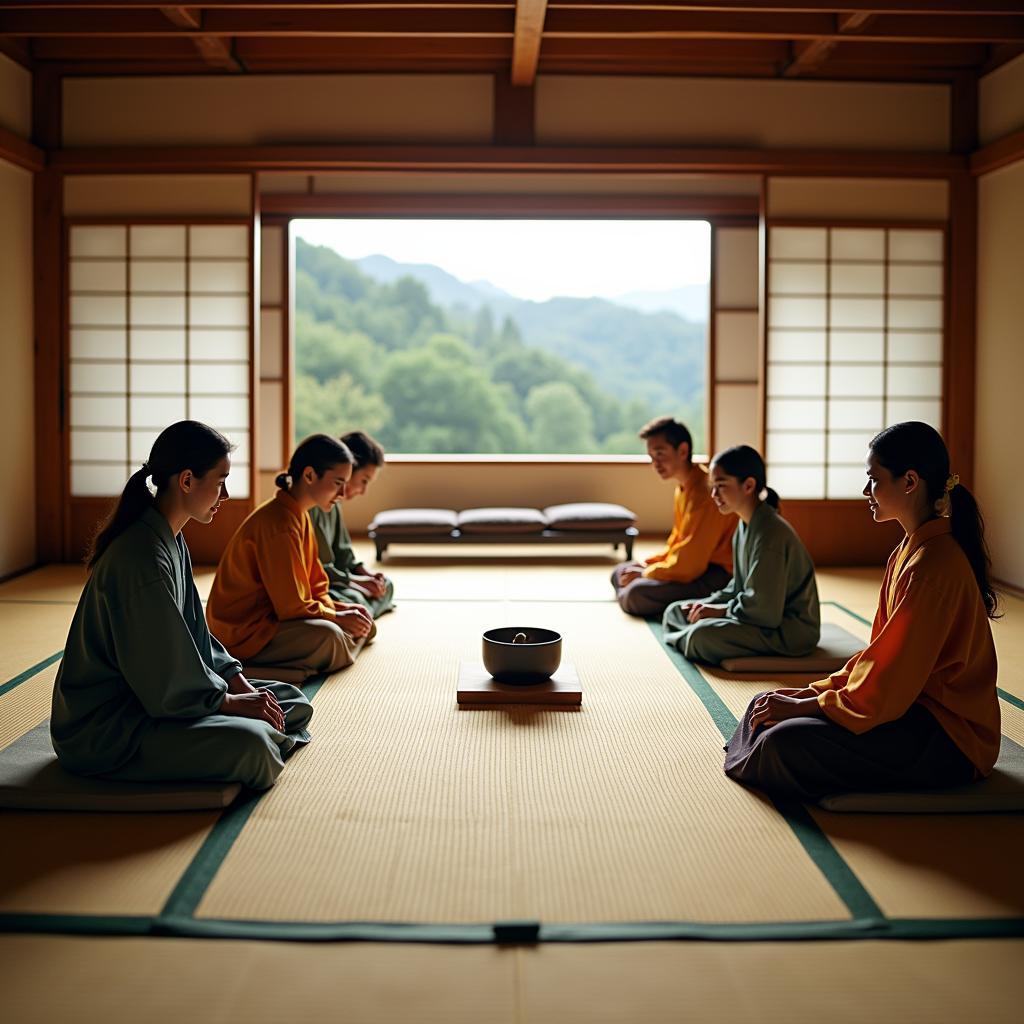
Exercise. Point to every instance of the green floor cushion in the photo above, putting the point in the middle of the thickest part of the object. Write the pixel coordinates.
(834, 650)
(1002, 791)
(31, 779)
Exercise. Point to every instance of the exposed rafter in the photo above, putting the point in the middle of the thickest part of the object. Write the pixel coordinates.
(814, 54)
(214, 50)
(529, 28)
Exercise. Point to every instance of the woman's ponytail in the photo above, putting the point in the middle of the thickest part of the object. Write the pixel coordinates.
(187, 444)
(968, 526)
(134, 500)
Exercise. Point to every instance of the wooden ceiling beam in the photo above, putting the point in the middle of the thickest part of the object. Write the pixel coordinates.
(812, 56)
(526, 159)
(559, 22)
(529, 28)
(916, 7)
(215, 51)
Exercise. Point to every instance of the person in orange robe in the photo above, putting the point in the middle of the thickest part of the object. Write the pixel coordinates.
(918, 707)
(270, 602)
(697, 560)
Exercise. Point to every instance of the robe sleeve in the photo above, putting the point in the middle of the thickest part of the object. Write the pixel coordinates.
(222, 663)
(158, 657)
(723, 596)
(762, 601)
(294, 591)
(327, 550)
(881, 683)
(690, 548)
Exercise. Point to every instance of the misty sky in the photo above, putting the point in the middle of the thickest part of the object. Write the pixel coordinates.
(534, 259)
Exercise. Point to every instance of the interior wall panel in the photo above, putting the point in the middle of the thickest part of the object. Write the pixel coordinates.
(1001, 101)
(15, 97)
(267, 109)
(156, 195)
(1000, 367)
(17, 411)
(733, 112)
(858, 198)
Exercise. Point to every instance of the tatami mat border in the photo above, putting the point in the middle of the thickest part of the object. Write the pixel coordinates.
(176, 920)
(30, 672)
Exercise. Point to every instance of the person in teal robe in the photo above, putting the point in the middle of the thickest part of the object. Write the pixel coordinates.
(350, 580)
(770, 606)
(144, 692)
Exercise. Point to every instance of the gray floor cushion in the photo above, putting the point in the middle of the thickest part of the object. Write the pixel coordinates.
(502, 520)
(1002, 791)
(589, 515)
(834, 650)
(31, 779)
(414, 520)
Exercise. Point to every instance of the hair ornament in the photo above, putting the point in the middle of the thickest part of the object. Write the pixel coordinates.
(951, 481)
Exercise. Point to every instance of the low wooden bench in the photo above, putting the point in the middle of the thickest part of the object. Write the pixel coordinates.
(575, 523)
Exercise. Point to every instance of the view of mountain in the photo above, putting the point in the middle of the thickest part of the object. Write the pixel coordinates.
(689, 301)
(655, 355)
(430, 363)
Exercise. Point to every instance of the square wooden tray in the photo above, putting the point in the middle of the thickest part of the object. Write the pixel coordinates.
(478, 689)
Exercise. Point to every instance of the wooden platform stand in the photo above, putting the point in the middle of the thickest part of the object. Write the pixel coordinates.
(478, 689)
(625, 537)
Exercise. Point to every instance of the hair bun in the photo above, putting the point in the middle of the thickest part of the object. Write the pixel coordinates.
(283, 480)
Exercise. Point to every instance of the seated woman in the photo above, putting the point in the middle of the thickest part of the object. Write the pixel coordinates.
(918, 707)
(770, 606)
(269, 601)
(144, 692)
(349, 579)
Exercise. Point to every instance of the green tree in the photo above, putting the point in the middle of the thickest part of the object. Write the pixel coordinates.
(560, 421)
(444, 403)
(322, 351)
(336, 406)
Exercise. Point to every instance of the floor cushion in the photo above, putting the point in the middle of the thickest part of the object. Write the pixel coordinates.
(835, 648)
(425, 521)
(501, 520)
(31, 779)
(1002, 791)
(589, 515)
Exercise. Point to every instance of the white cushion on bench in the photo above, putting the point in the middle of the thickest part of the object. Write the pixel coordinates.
(31, 779)
(1002, 791)
(414, 520)
(501, 520)
(835, 648)
(589, 515)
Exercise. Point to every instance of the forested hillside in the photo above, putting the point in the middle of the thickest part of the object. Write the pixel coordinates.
(564, 376)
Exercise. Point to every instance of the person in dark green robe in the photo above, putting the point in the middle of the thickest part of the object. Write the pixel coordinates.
(770, 606)
(144, 692)
(350, 580)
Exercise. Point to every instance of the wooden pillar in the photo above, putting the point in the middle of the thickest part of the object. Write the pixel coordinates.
(48, 262)
(960, 334)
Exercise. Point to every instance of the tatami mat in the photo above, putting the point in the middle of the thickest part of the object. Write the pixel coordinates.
(30, 633)
(934, 865)
(46, 979)
(112, 864)
(773, 983)
(49, 979)
(26, 705)
(405, 808)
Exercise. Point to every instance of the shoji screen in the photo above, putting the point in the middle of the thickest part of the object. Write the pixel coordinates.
(159, 331)
(854, 342)
(735, 361)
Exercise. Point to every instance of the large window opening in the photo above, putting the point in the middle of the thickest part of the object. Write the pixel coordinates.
(545, 337)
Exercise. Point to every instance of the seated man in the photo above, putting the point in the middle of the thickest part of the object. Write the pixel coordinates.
(697, 559)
